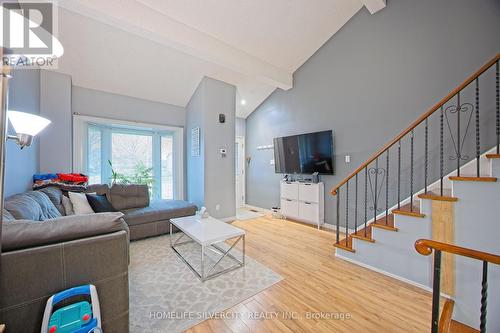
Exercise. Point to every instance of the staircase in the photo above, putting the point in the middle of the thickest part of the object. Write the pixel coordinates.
(451, 154)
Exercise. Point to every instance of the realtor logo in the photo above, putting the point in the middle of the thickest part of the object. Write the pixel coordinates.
(28, 33)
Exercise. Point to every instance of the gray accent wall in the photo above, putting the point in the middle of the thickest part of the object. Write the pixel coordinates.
(55, 104)
(210, 176)
(98, 103)
(195, 164)
(370, 81)
(20, 165)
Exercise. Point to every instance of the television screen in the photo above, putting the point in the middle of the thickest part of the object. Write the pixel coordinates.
(304, 153)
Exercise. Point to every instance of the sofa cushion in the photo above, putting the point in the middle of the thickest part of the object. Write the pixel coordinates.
(68, 206)
(55, 195)
(24, 234)
(159, 210)
(80, 203)
(31, 205)
(99, 203)
(129, 196)
(101, 189)
(6, 216)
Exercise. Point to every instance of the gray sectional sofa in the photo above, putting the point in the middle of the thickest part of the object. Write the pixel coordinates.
(44, 251)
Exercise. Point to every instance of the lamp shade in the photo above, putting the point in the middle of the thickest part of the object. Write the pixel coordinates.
(27, 123)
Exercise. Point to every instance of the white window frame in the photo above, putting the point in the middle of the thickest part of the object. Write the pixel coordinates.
(80, 138)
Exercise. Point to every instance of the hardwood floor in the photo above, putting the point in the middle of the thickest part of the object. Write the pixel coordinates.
(317, 286)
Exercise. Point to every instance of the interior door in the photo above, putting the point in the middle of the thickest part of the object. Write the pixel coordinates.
(239, 148)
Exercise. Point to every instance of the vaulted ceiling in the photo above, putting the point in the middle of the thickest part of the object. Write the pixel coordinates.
(160, 49)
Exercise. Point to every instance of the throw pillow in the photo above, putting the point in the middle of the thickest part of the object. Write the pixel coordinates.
(80, 203)
(68, 207)
(100, 203)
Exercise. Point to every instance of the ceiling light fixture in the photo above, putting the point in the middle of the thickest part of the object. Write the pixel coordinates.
(243, 102)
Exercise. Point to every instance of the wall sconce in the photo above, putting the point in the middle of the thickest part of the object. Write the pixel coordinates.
(26, 125)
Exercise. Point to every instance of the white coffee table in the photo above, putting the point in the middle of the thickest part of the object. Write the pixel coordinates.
(208, 232)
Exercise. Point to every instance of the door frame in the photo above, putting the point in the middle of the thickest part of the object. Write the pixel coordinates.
(242, 164)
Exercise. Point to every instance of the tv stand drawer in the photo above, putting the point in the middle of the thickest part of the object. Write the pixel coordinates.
(290, 190)
(309, 192)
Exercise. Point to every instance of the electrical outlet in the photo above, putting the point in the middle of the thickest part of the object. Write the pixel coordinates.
(217, 207)
(271, 162)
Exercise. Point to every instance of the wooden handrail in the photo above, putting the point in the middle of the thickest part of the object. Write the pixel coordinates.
(417, 122)
(425, 247)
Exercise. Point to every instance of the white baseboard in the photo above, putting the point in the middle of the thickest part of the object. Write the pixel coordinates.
(324, 225)
(259, 209)
(394, 276)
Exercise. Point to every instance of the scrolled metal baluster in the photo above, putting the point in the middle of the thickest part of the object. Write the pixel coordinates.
(436, 293)
(399, 174)
(356, 207)
(459, 156)
(498, 106)
(411, 171)
(441, 148)
(337, 236)
(478, 138)
(375, 191)
(426, 160)
(347, 214)
(387, 188)
(484, 297)
(366, 199)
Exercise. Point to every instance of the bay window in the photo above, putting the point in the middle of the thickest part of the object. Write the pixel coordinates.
(120, 152)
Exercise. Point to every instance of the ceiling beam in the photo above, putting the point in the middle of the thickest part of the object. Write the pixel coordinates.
(374, 6)
(133, 17)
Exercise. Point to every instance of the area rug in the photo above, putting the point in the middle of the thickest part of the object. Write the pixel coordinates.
(246, 214)
(165, 295)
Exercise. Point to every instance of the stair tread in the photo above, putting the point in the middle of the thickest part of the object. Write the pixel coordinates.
(345, 244)
(436, 195)
(457, 327)
(473, 179)
(492, 155)
(409, 210)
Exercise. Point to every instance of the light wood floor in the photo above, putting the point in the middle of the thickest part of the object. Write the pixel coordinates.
(317, 282)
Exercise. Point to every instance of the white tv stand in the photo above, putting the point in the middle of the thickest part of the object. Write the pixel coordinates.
(303, 201)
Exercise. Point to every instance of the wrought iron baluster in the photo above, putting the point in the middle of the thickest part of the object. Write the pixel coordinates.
(347, 214)
(387, 187)
(375, 196)
(366, 198)
(498, 106)
(478, 142)
(426, 159)
(441, 148)
(356, 207)
(337, 237)
(436, 285)
(399, 174)
(484, 297)
(458, 135)
(411, 171)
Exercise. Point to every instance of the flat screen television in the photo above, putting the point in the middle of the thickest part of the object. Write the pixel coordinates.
(304, 153)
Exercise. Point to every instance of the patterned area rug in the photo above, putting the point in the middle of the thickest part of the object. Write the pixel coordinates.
(166, 296)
